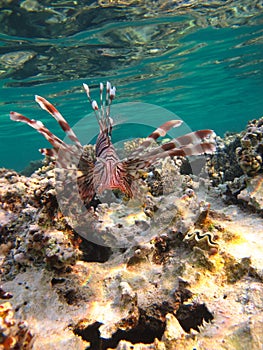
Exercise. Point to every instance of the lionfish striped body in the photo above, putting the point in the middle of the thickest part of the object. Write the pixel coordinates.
(108, 172)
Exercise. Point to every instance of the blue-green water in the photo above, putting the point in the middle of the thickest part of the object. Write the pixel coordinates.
(206, 67)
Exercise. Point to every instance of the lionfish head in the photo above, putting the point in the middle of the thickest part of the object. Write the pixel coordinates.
(111, 175)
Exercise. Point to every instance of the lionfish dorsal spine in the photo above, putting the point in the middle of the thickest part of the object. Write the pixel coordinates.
(103, 113)
(93, 103)
(48, 107)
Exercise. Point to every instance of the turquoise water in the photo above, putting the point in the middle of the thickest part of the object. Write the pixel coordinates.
(201, 63)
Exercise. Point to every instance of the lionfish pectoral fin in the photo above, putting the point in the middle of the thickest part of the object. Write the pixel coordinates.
(86, 192)
(193, 150)
(161, 131)
(85, 182)
(56, 142)
(195, 137)
(168, 150)
(191, 143)
(65, 158)
(124, 179)
(48, 152)
(127, 188)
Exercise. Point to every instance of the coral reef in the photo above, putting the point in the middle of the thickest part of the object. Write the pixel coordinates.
(13, 334)
(236, 169)
(250, 154)
(224, 166)
(31, 222)
(174, 268)
(32, 167)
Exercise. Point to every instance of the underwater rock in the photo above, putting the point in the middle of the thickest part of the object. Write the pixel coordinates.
(50, 246)
(223, 166)
(14, 334)
(125, 345)
(31, 222)
(236, 168)
(238, 154)
(253, 193)
(173, 330)
(250, 154)
(32, 167)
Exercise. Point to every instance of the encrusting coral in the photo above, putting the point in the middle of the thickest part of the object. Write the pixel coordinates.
(13, 334)
(250, 154)
(236, 169)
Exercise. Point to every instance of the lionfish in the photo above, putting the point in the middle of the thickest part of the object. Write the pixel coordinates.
(107, 171)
